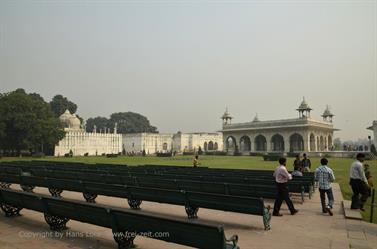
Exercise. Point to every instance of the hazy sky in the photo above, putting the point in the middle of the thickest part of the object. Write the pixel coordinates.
(180, 63)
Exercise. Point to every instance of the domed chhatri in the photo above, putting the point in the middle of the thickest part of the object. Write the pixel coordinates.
(70, 121)
(256, 119)
(327, 115)
(227, 119)
(304, 109)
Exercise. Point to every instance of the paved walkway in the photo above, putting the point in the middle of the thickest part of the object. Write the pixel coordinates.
(309, 229)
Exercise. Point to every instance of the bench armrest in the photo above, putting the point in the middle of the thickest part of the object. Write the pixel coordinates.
(234, 241)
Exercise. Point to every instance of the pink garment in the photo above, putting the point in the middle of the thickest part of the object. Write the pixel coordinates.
(281, 174)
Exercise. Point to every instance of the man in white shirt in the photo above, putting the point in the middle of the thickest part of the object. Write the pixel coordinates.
(359, 183)
(282, 177)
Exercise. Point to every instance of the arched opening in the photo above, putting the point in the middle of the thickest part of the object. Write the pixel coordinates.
(245, 144)
(205, 146)
(215, 146)
(321, 143)
(277, 142)
(165, 146)
(260, 143)
(230, 144)
(210, 145)
(296, 142)
(312, 142)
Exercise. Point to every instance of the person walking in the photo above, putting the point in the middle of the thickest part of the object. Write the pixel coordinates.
(281, 178)
(359, 183)
(195, 162)
(324, 175)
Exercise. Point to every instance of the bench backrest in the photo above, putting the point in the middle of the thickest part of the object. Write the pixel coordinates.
(178, 231)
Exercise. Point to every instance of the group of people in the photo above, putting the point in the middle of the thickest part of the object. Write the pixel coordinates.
(300, 166)
(360, 181)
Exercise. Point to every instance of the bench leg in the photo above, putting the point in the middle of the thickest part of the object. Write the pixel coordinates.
(192, 212)
(56, 223)
(124, 240)
(10, 210)
(55, 192)
(134, 203)
(267, 217)
(89, 197)
(27, 188)
(4, 185)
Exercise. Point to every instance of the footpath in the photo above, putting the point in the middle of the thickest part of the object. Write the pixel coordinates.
(308, 229)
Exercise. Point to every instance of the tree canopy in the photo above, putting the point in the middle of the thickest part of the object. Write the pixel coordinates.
(128, 122)
(59, 104)
(101, 123)
(27, 123)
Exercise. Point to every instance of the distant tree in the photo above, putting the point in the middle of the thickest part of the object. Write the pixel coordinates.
(100, 122)
(130, 122)
(373, 149)
(2, 130)
(27, 123)
(60, 103)
(337, 144)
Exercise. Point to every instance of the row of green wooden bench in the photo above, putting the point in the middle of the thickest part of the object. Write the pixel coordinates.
(256, 189)
(296, 184)
(155, 169)
(135, 195)
(125, 224)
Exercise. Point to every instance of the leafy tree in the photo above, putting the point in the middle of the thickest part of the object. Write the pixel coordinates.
(131, 122)
(337, 144)
(60, 103)
(128, 122)
(100, 122)
(27, 123)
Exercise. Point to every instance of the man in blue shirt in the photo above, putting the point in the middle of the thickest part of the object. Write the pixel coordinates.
(325, 176)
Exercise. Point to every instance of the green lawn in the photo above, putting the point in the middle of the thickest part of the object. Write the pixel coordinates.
(339, 165)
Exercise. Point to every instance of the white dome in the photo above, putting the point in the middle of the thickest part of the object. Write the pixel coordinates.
(69, 120)
(74, 122)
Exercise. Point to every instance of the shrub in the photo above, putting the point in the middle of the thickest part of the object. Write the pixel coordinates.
(162, 154)
(237, 153)
(86, 154)
(38, 155)
(188, 153)
(256, 154)
(216, 153)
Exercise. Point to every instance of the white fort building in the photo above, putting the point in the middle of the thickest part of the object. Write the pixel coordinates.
(179, 142)
(80, 142)
(302, 134)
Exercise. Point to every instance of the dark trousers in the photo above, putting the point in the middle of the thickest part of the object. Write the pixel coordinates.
(330, 197)
(282, 194)
(358, 188)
